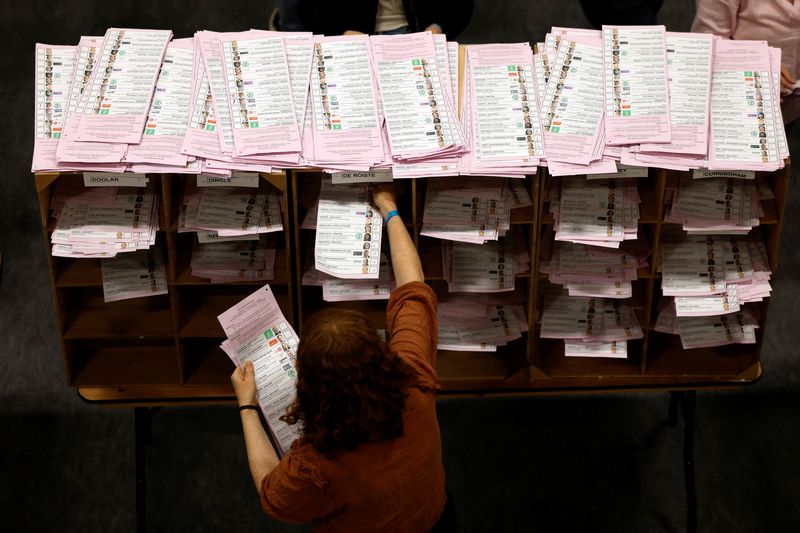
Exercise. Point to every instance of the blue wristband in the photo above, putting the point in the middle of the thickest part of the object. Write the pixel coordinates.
(392, 213)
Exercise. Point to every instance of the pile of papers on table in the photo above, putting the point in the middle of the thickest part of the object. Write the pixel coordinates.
(473, 210)
(103, 221)
(598, 213)
(715, 205)
(229, 213)
(489, 267)
(716, 275)
(480, 322)
(591, 271)
(586, 102)
(590, 327)
(134, 275)
(708, 331)
(224, 262)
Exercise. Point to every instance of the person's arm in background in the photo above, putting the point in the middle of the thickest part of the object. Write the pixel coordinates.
(716, 16)
(260, 454)
(405, 260)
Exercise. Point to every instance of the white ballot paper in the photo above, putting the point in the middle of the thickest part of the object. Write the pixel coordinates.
(257, 331)
(348, 240)
(134, 275)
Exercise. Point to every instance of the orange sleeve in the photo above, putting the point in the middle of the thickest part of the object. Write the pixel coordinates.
(413, 330)
(296, 491)
(716, 16)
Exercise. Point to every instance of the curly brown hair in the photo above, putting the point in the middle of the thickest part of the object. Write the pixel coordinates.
(351, 388)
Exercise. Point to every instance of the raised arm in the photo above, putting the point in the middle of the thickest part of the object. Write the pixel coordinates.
(405, 260)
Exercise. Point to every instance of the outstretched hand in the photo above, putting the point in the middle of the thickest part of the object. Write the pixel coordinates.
(243, 380)
(384, 196)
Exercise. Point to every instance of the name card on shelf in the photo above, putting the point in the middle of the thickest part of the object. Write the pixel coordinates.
(114, 179)
(701, 173)
(237, 179)
(382, 176)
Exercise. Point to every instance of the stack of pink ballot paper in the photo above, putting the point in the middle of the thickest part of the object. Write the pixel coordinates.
(591, 271)
(480, 322)
(597, 213)
(472, 210)
(715, 205)
(710, 276)
(225, 262)
(489, 267)
(709, 331)
(586, 103)
(103, 221)
(590, 327)
(499, 111)
(134, 275)
(416, 94)
(229, 213)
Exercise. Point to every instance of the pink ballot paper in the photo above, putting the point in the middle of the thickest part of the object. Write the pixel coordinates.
(121, 88)
(689, 67)
(420, 117)
(168, 116)
(260, 94)
(743, 119)
(55, 66)
(637, 95)
(572, 104)
(258, 332)
(348, 240)
(344, 102)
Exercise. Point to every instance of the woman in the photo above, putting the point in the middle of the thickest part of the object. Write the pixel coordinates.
(369, 458)
(774, 21)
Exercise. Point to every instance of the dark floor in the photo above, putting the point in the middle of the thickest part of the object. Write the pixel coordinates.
(580, 463)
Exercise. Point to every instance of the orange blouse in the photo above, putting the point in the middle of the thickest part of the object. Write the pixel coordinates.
(395, 485)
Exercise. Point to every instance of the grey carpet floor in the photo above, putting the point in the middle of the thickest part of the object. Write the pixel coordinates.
(576, 463)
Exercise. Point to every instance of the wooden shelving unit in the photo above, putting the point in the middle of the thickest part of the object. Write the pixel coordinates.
(165, 348)
(166, 345)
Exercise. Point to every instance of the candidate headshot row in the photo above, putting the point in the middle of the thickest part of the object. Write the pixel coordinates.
(237, 73)
(115, 47)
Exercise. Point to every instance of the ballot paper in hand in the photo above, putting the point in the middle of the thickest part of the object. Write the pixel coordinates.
(258, 332)
(349, 232)
(134, 275)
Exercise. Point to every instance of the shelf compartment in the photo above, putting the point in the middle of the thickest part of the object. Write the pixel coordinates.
(184, 276)
(123, 363)
(206, 363)
(86, 316)
(552, 362)
(667, 358)
(200, 306)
